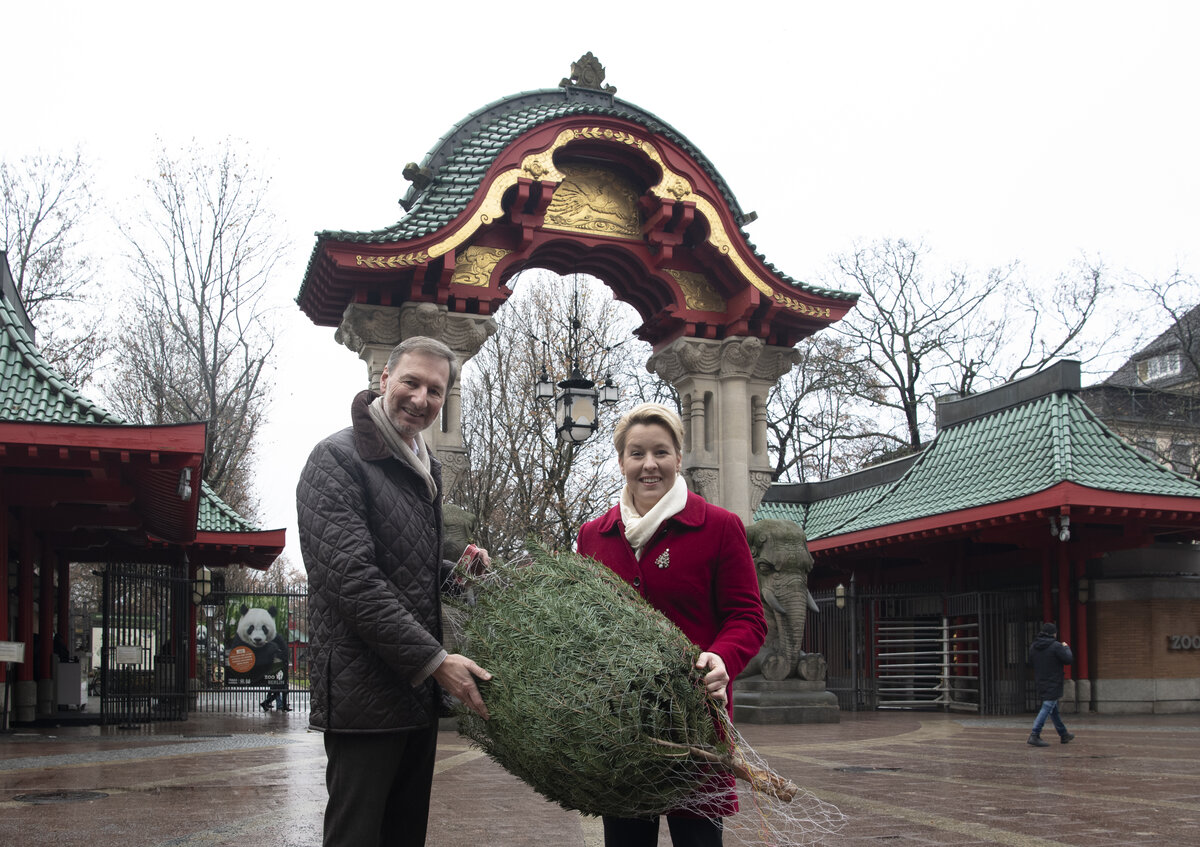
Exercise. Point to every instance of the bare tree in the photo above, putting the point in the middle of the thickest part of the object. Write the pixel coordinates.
(904, 325)
(1023, 327)
(198, 341)
(818, 423)
(47, 208)
(926, 334)
(1175, 298)
(523, 481)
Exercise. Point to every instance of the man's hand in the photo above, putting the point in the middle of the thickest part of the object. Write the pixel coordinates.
(457, 675)
(717, 678)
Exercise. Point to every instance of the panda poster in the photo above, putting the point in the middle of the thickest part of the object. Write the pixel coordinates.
(256, 651)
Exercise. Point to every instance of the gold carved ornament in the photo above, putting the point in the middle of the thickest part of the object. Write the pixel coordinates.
(594, 201)
(474, 267)
(698, 295)
(540, 166)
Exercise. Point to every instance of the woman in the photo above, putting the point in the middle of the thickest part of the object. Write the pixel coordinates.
(690, 560)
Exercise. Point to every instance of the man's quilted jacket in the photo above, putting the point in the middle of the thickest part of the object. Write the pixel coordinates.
(371, 541)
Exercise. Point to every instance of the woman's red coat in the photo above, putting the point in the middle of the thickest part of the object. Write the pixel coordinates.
(697, 570)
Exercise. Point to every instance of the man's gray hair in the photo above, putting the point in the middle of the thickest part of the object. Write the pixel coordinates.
(428, 346)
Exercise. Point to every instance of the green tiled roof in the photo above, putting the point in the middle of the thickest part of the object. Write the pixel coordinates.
(31, 390)
(461, 158)
(1013, 453)
(218, 516)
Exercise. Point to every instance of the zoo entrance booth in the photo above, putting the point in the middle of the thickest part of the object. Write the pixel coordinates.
(933, 572)
(114, 549)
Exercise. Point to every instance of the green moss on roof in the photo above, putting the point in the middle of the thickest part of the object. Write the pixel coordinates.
(1004, 456)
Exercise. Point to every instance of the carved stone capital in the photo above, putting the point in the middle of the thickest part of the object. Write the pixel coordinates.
(422, 319)
(363, 324)
(685, 357)
(760, 481)
(464, 334)
(705, 482)
(454, 467)
(774, 362)
(739, 356)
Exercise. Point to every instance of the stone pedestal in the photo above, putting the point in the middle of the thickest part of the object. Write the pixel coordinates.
(786, 701)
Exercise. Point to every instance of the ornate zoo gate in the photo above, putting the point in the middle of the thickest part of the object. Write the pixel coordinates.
(953, 652)
(246, 646)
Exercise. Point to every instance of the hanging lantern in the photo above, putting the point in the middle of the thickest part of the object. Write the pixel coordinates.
(543, 389)
(609, 393)
(575, 408)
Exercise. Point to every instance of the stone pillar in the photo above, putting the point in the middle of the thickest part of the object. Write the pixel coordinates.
(373, 331)
(724, 386)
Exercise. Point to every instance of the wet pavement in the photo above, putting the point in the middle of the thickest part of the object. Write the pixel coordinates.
(901, 778)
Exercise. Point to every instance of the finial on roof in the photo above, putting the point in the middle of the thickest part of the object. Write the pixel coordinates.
(587, 73)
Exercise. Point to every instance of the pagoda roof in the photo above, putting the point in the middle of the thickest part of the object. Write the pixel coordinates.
(456, 172)
(121, 481)
(1030, 449)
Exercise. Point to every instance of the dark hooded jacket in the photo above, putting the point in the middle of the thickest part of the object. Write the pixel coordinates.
(371, 541)
(1048, 657)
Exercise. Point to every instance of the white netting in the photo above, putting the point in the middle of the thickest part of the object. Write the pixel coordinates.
(596, 703)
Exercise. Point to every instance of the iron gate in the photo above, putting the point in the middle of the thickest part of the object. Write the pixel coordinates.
(955, 652)
(143, 639)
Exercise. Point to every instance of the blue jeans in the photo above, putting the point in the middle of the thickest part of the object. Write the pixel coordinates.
(1049, 710)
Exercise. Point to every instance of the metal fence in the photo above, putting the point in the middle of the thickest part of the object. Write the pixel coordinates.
(219, 687)
(953, 652)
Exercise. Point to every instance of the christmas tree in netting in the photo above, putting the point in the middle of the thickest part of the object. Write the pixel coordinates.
(596, 703)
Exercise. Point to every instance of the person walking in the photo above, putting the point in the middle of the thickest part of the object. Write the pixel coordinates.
(369, 508)
(1049, 656)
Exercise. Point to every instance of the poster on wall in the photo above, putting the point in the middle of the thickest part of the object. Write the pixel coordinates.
(255, 640)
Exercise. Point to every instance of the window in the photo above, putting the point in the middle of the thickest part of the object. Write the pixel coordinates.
(1160, 367)
(1181, 458)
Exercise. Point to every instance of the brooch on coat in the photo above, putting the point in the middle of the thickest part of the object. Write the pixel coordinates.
(664, 559)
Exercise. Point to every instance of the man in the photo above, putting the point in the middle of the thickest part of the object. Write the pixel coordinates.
(370, 521)
(1048, 657)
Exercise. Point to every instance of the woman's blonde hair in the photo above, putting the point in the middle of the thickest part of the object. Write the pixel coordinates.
(649, 413)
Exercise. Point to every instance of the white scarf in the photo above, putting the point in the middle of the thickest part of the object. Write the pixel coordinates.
(640, 528)
(417, 459)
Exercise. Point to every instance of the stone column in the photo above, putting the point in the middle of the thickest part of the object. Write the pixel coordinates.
(723, 386)
(373, 331)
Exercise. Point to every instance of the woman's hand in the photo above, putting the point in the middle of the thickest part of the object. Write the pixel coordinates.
(717, 678)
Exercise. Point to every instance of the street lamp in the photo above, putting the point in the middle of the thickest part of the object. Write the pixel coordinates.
(575, 416)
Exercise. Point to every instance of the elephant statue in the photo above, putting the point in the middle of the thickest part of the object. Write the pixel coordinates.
(458, 525)
(781, 556)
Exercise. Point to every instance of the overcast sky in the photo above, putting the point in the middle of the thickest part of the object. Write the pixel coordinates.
(1006, 131)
